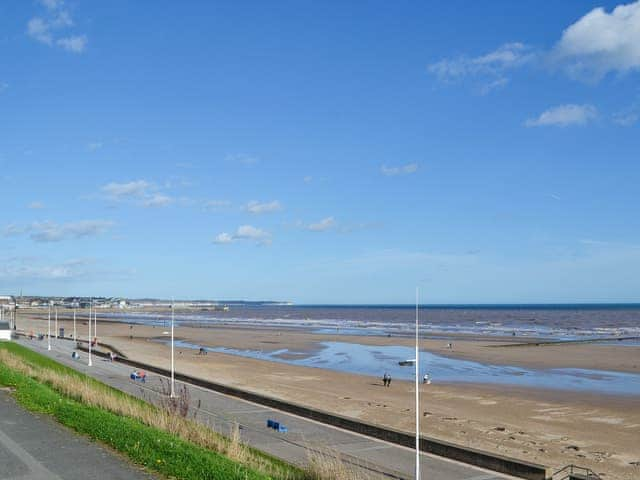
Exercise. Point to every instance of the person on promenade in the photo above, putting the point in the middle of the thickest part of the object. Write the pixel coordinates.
(388, 380)
(385, 378)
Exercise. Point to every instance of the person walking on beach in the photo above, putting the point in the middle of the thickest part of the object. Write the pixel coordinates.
(388, 380)
(385, 378)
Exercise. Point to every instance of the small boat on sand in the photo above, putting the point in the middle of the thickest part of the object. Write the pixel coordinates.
(407, 363)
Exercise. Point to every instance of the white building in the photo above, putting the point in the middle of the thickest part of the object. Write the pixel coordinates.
(5, 331)
(7, 309)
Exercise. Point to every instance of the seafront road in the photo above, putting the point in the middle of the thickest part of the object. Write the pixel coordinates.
(35, 447)
(378, 458)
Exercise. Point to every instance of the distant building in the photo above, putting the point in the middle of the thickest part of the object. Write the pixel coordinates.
(7, 309)
(7, 302)
(5, 331)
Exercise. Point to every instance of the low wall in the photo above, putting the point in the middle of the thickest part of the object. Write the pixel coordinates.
(490, 461)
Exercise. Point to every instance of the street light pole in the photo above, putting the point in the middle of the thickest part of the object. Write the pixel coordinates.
(49, 329)
(417, 396)
(95, 324)
(56, 330)
(173, 392)
(90, 305)
(75, 338)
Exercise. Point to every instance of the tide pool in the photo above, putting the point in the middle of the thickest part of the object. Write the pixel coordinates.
(376, 360)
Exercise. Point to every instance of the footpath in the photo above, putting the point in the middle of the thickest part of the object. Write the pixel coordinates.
(377, 458)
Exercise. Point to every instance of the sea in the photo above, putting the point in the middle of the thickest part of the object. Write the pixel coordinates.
(618, 324)
(546, 322)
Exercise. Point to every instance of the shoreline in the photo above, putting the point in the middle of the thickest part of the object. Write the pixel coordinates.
(552, 427)
(478, 348)
(518, 323)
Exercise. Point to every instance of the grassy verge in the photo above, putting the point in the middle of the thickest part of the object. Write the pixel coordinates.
(158, 439)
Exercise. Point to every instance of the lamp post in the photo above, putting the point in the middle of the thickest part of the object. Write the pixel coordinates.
(173, 392)
(49, 329)
(90, 305)
(417, 396)
(56, 330)
(75, 338)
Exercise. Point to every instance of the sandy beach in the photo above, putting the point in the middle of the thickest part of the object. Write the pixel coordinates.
(549, 426)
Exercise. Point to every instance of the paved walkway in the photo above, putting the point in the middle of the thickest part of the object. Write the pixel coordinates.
(35, 447)
(380, 459)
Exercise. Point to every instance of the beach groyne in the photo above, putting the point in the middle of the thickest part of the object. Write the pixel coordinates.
(468, 455)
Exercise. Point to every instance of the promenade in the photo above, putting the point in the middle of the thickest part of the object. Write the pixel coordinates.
(377, 458)
(35, 447)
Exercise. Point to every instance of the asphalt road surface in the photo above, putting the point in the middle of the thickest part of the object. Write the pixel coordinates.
(381, 460)
(35, 447)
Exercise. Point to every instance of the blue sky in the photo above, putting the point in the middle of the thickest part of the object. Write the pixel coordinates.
(321, 152)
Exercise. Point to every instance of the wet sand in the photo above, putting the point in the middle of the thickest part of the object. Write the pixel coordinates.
(547, 426)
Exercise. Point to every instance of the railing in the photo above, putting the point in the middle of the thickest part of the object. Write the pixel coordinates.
(572, 472)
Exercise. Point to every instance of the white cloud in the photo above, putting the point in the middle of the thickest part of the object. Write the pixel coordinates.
(598, 43)
(54, 232)
(323, 225)
(248, 232)
(308, 179)
(75, 44)
(39, 269)
(157, 200)
(626, 119)
(46, 29)
(564, 116)
(39, 30)
(211, 205)
(3, 86)
(121, 191)
(93, 146)
(223, 238)
(492, 66)
(245, 232)
(140, 192)
(52, 4)
(62, 19)
(12, 230)
(628, 116)
(601, 42)
(35, 205)
(407, 169)
(257, 207)
(493, 85)
(29, 268)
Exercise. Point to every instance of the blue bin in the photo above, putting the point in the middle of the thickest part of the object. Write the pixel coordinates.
(283, 429)
(276, 425)
(270, 423)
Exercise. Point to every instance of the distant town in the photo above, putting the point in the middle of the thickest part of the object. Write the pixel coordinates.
(10, 301)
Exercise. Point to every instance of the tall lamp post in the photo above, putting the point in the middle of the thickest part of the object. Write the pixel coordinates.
(49, 329)
(417, 396)
(90, 305)
(75, 337)
(173, 392)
